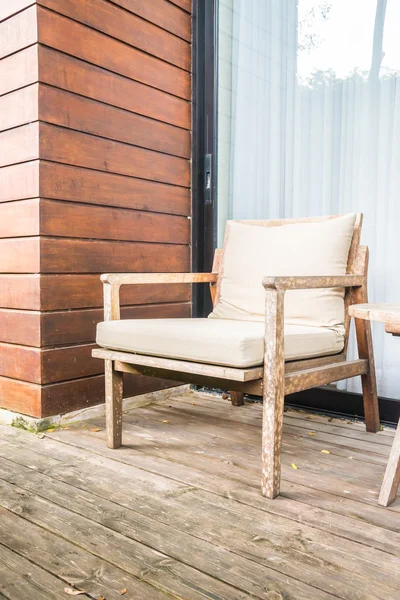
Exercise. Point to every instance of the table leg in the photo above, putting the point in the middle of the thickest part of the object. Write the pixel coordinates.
(392, 475)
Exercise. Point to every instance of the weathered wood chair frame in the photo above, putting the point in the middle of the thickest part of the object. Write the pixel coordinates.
(275, 378)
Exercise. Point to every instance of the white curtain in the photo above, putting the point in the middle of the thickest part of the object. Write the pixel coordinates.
(309, 124)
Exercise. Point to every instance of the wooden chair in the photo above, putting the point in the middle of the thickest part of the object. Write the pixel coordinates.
(274, 378)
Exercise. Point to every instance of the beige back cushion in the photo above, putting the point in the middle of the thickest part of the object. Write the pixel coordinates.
(252, 252)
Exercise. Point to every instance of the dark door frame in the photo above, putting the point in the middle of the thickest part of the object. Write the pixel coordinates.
(204, 145)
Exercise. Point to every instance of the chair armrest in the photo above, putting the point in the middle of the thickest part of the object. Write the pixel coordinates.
(113, 281)
(146, 278)
(313, 281)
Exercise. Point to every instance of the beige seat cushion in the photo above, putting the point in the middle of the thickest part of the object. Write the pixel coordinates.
(311, 248)
(213, 341)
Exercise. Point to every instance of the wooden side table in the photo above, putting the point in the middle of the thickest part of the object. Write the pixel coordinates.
(390, 315)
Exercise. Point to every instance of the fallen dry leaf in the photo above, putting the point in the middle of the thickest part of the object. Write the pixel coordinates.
(166, 421)
(293, 466)
(101, 598)
(325, 452)
(50, 430)
(84, 426)
(73, 592)
(311, 433)
(41, 435)
(225, 396)
(122, 592)
(95, 429)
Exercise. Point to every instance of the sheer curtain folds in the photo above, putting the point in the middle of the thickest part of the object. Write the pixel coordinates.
(309, 124)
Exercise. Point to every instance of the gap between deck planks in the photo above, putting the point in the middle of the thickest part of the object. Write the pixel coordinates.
(294, 538)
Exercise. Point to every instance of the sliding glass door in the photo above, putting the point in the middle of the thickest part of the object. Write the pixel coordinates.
(309, 124)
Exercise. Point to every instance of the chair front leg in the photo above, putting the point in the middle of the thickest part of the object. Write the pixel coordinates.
(273, 393)
(114, 393)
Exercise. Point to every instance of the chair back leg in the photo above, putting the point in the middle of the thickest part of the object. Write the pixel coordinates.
(114, 394)
(237, 398)
(366, 351)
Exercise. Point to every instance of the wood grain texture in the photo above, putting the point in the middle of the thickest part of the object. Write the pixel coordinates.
(20, 327)
(118, 279)
(46, 584)
(95, 120)
(127, 27)
(187, 477)
(70, 362)
(366, 349)
(297, 381)
(8, 8)
(273, 393)
(78, 326)
(19, 107)
(20, 396)
(20, 362)
(19, 145)
(20, 255)
(18, 32)
(230, 374)
(84, 150)
(18, 219)
(391, 480)
(60, 398)
(90, 116)
(184, 4)
(74, 75)
(86, 291)
(384, 312)
(94, 47)
(20, 291)
(67, 219)
(65, 182)
(161, 13)
(19, 181)
(60, 255)
(19, 69)
(113, 396)
(237, 398)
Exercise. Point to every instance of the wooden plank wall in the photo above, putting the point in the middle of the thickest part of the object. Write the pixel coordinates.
(95, 119)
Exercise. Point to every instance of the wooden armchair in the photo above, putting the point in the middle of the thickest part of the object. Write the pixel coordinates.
(274, 375)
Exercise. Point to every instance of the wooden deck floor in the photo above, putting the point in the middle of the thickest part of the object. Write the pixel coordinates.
(177, 512)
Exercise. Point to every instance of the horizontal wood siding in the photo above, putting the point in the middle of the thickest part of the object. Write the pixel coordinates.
(114, 177)
(20, 326)
(95, 146)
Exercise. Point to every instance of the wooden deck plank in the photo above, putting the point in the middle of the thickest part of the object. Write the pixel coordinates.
(337, 427)
(164, 573)
(216, 561)
(21, 579)
(69, 563)
(228, 429)
(284, 542)
(131, 484)
(179, 507)
(242, 485)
